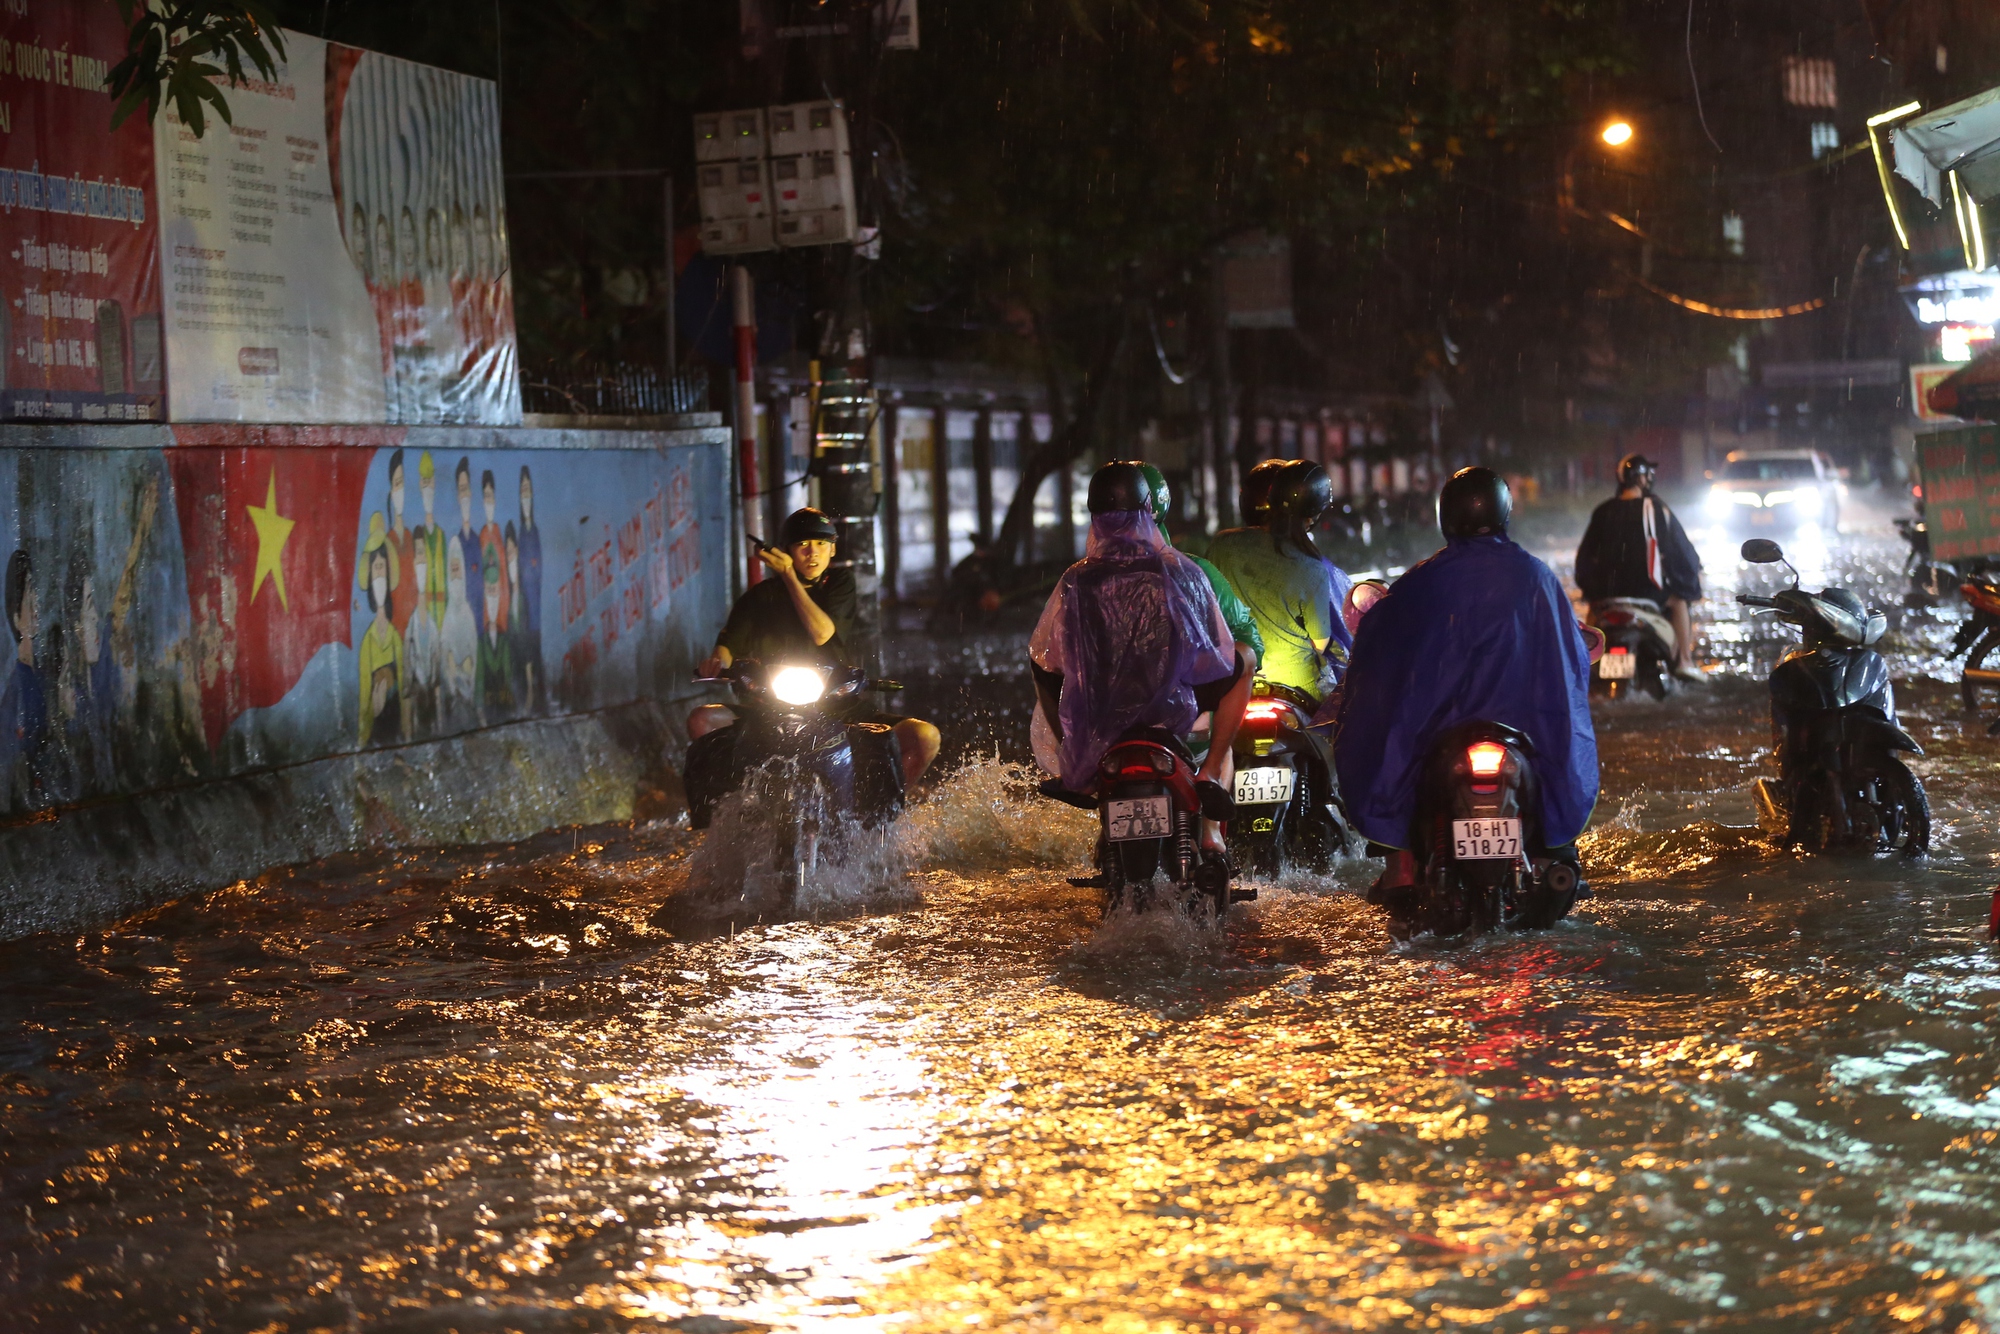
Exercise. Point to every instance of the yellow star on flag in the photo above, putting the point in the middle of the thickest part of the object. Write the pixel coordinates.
(273, 531)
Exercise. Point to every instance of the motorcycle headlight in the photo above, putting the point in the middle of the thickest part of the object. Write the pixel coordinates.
(798, 685)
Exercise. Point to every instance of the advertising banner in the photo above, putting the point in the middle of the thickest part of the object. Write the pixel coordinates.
(339, 253)
(1961, 477)
(79, 291)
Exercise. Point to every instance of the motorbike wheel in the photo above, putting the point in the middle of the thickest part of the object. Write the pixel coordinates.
(1906, 792)
(1659, 679)
(1975, 658)
(799, 840)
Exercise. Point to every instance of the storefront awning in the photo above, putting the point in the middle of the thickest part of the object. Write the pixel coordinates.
(1963, 137)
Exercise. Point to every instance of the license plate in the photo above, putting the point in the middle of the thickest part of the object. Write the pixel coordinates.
(1129, 819)
(1485, 840)
(1764, 518)
(1263, 787)
(1618, 666)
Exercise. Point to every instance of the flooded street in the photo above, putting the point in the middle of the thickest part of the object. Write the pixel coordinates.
(561, 1086)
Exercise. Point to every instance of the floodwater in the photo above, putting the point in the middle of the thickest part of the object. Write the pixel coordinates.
(576, 1085)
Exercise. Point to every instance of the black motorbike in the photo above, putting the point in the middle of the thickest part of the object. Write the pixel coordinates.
(1285, 816)
(812, 774)
(1150, 824)
(1636, 654)
(1841, 783)
(1478, 842)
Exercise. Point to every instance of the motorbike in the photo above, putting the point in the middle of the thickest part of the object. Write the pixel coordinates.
(1477, 840)
(1149, 823)
(1841, 784)
(815, 775)
(1284, 787)
(1638, 651)
(1979, 636)
(1929, 579)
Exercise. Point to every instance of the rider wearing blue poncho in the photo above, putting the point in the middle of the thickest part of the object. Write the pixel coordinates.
(1480, 632)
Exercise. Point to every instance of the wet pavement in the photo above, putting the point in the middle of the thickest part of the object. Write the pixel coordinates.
(576, 1085)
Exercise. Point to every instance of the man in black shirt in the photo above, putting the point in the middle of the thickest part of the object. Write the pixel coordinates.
(1636, 548)
(803, 612)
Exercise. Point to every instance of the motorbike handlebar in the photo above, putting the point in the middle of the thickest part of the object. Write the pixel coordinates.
(1751, 600)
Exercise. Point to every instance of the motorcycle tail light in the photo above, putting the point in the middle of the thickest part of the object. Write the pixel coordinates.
(1265, 710)
(1485, 758)
(1163, 763)
(1620, 649)
(1617, 618)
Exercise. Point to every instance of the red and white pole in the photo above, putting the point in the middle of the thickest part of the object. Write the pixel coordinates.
(746, 410)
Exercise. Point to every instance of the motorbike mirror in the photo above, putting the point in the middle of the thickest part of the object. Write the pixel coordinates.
(1762, 551)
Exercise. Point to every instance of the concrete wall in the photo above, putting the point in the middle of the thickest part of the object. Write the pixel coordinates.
(238, 646)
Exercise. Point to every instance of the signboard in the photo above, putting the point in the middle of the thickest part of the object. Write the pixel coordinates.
(339, 253)
(79, 294)
(1923, 379)
(1961, 475)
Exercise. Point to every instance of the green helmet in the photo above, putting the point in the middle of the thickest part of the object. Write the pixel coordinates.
(1163, 496)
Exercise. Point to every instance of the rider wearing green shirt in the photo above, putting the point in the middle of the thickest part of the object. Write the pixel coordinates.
(1288, 589)
(1242, 625)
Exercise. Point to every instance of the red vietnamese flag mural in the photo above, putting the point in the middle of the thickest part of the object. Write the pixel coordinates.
(269, 540)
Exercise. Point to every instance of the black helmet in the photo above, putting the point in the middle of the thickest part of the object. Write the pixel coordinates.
(1301, 494)
(1254, 499)
(807, 525)
(1636, 470)
(1120, 485)
(1475, 502)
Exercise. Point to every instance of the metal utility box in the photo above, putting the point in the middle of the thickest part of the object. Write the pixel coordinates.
(735, 206)
(725, 136)
(812, 173)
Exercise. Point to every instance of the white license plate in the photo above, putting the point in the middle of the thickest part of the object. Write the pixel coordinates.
(1618, 666)
(1139, 817)
(1485, 840)
(1264, 787)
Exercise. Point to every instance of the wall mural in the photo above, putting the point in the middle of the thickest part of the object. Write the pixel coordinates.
(217, 606)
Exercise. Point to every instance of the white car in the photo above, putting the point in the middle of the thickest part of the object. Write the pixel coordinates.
(1776, 490)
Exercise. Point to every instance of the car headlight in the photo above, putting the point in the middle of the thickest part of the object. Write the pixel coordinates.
(1718, 500)
(1773, 499)
(1750, 498)
(798, 685)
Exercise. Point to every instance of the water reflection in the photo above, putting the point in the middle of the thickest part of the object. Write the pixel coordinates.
(1742, 1089)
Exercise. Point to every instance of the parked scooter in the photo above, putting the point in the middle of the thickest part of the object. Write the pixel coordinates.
(1150, 823)
(1979, 636)
(1284, 788)
(1638, 648)
(817, 776)
(1478, 842)
(1841, 785)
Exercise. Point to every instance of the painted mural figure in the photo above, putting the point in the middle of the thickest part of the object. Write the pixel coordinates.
(422, 648)
(433, 535)
(516, 632)
(383, 665)
(530, 600)
(492, 547)
(403, 548)
(496, 662)
(24, 703)
(94, 685)
(468, 540)
(460, 645)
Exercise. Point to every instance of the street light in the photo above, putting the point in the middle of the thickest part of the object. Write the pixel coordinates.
(1618, 133)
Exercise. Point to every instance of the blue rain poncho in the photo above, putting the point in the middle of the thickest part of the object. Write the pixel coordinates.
(1132, 629)
(1480, 632)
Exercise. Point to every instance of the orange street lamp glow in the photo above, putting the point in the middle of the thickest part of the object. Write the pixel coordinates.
(1618, 134)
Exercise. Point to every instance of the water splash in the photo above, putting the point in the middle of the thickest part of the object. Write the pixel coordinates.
(987, 815)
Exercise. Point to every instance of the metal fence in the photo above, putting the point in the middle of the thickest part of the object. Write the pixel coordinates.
(615, 391)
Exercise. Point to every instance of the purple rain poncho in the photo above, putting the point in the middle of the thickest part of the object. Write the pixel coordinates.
(1480, 632)
(1132, 628)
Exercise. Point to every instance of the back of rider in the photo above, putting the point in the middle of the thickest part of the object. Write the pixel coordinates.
(1289, 595)
(764, 625)
(1613, 560)
(1480, 632)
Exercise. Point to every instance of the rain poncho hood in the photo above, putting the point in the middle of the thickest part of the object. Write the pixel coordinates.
(1480, 632)
(1132, 628)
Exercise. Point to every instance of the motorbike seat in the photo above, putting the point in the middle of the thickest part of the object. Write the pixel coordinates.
(1159, 736)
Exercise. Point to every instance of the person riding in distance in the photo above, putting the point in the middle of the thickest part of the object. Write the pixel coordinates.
(1480, 632)
(803, 613)
(1635, 548)
(1280, 576)
(1131, 637)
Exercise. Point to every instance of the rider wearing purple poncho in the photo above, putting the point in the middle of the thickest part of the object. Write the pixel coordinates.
(1482, 631)
(1133, 637)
